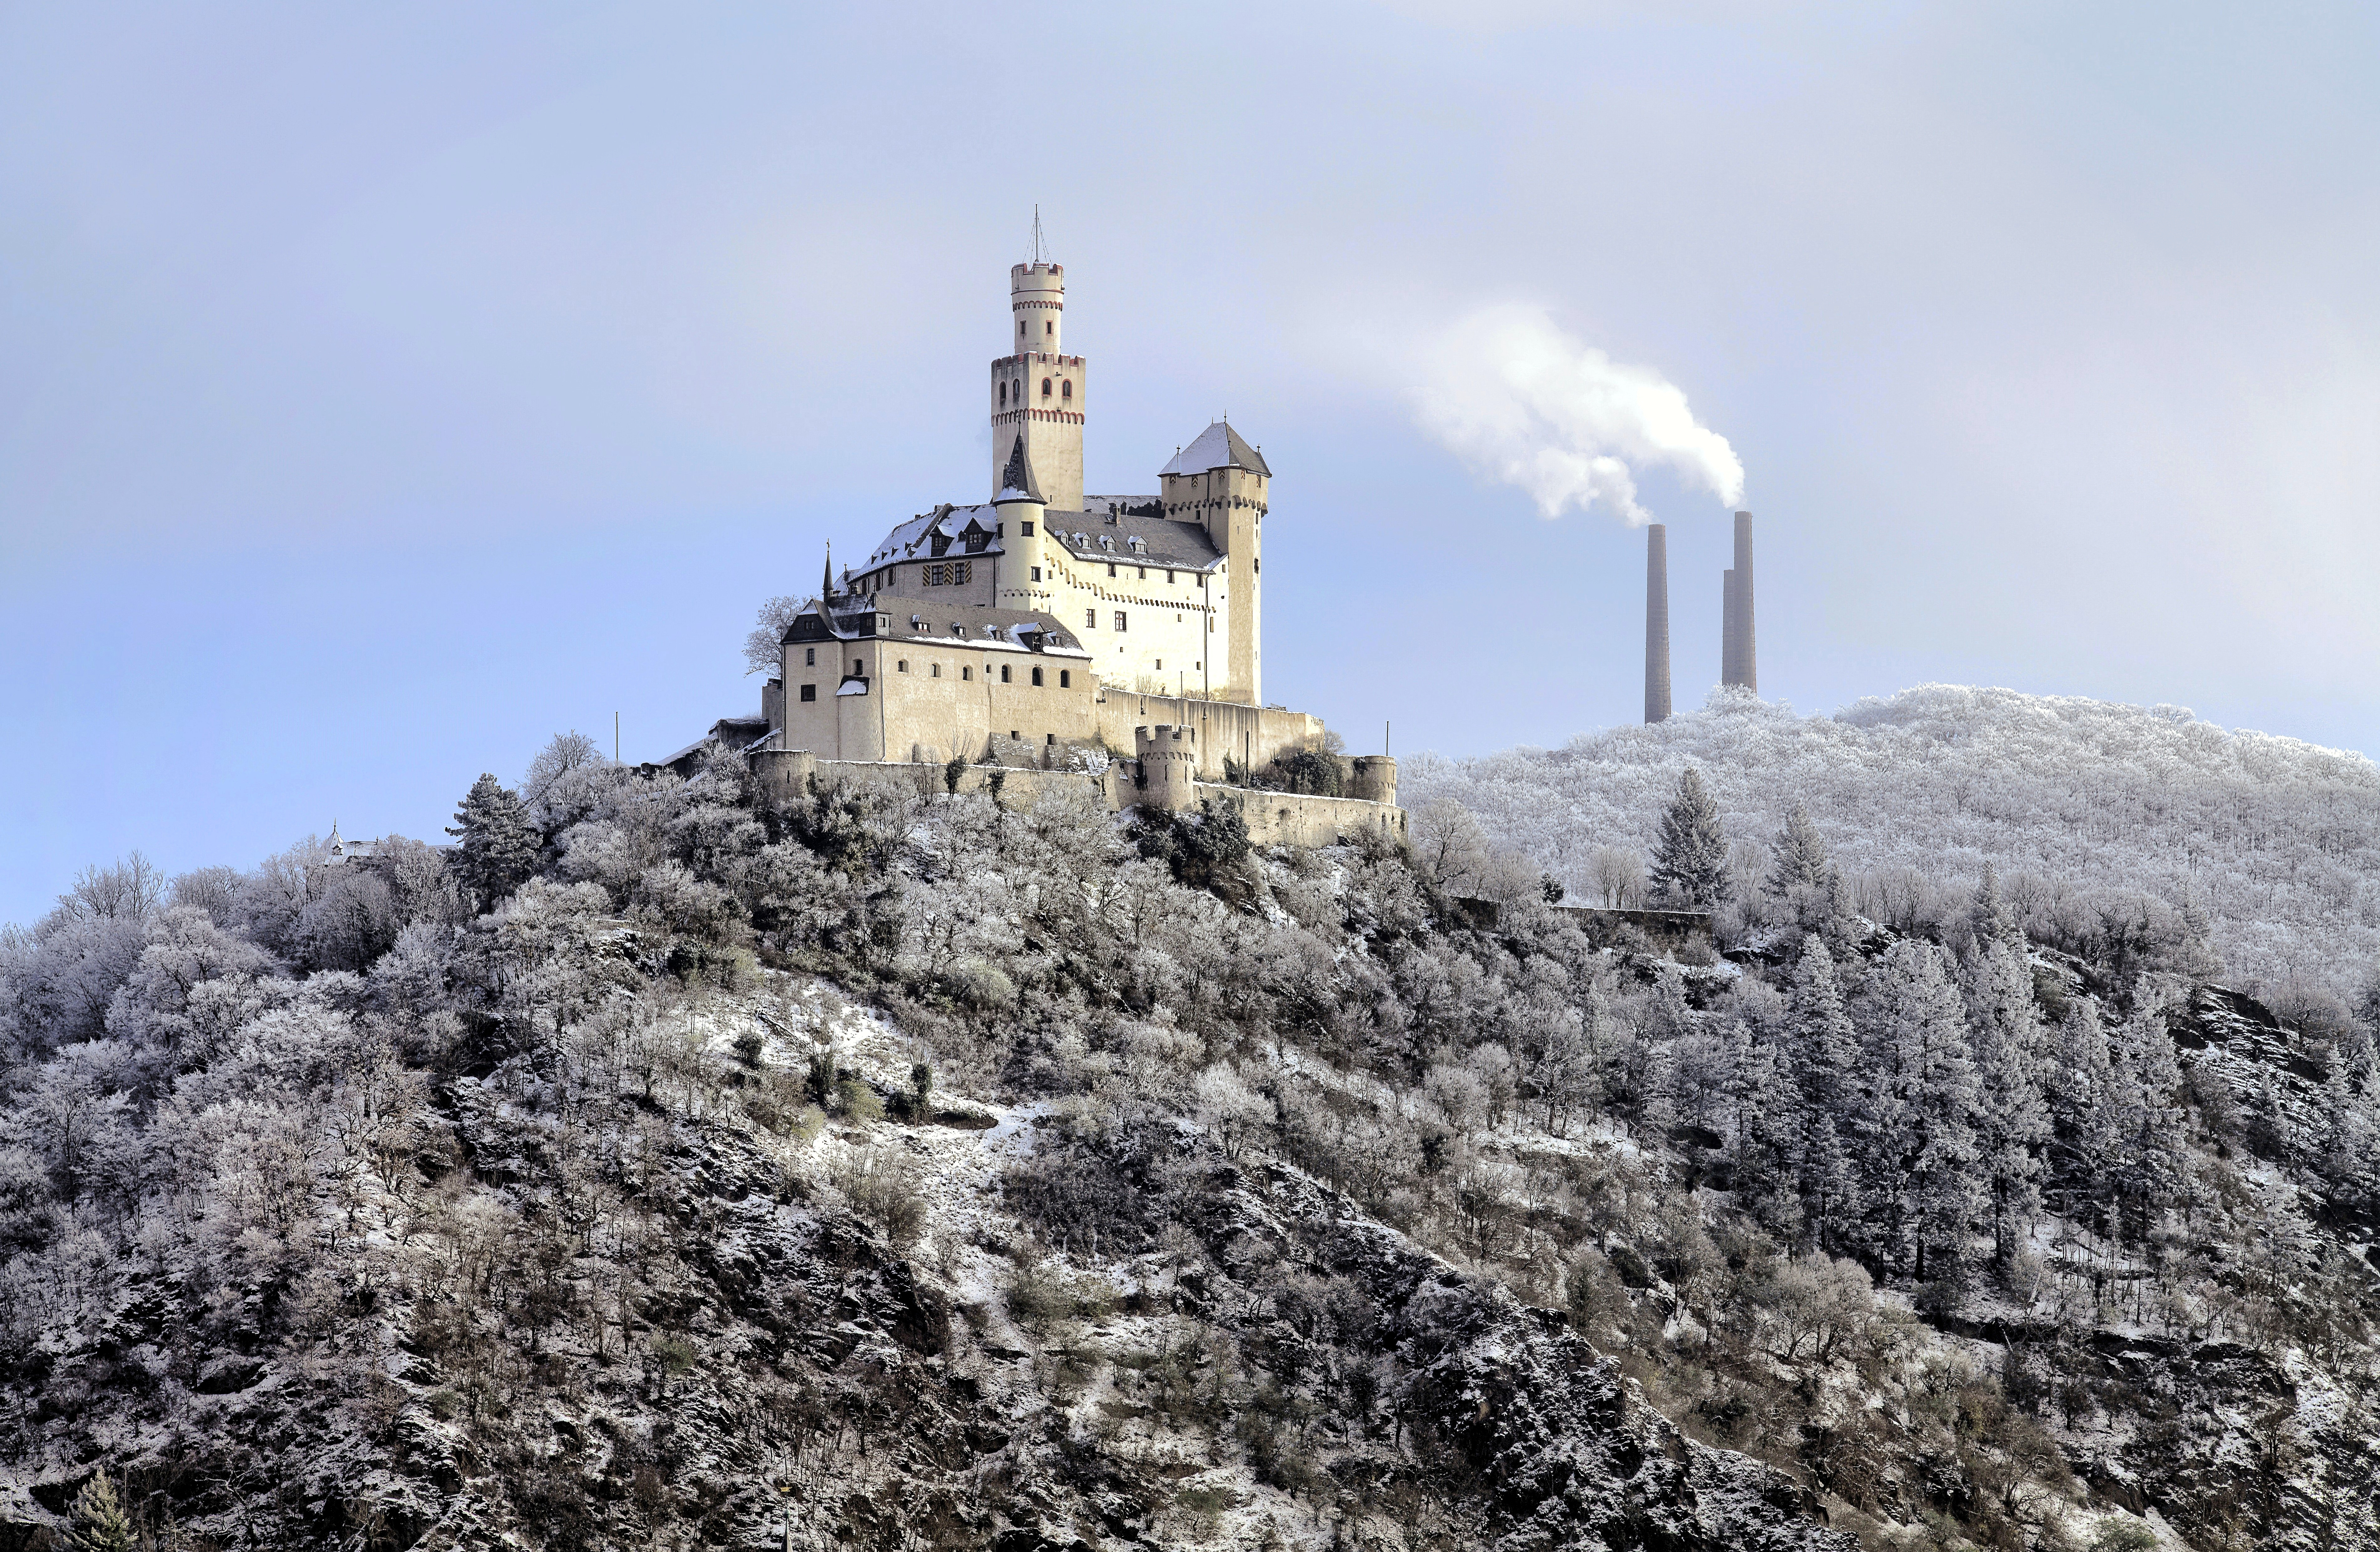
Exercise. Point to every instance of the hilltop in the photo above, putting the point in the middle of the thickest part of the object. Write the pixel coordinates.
(2078, 804)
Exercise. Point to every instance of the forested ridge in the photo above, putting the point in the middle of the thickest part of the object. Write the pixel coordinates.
(661, 1167)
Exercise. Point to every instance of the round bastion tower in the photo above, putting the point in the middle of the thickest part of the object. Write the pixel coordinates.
(1039, 389)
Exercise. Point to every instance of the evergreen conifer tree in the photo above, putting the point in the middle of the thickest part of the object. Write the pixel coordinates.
(2011, 1122)
(1800, 857)
(1823, 1052)
(99, 1523)
(499, 845)
(2079, 1089)
(1919, 1166)
(1992, 920)
(1689, 868)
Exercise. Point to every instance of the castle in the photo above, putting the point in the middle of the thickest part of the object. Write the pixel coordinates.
(1044, 627)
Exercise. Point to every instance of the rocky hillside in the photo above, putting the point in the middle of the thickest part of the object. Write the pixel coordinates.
(662, 1167)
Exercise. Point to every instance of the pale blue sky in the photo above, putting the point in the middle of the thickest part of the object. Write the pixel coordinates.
(384, 389)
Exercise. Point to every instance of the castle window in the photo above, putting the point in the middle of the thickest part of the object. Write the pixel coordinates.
(1169, 578)
(1050, 327)
(1160, 665)
(857, 668)
(968, 674)
(809, 692)
(1003, 392)
(1024, 530)
(1037, 678)
(1050, 739)
(1066, 679)
(1066, 389)
(1119, 614)
(1110, 567)
(1045, 387)
(933, 671)
(1037, 574)
(1090, 619)
(1003, 674)
(903, 667)
(1020, 328)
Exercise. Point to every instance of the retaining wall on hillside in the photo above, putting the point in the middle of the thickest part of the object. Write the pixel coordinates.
(1273, 818)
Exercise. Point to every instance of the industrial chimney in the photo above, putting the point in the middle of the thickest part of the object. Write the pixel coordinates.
(1747, 653)
(1739, 658)
(1656, 624)
(1727, 671)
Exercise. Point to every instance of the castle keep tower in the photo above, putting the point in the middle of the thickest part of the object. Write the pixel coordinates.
(1038, 390)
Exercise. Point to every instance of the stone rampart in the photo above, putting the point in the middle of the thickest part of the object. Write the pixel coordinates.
(1273, 818)
(1276, 819)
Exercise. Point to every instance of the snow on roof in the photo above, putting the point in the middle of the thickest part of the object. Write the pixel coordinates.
(852, 686)
(1218, 446)
(1143, 542)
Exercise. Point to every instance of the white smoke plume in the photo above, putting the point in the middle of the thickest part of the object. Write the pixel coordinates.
(1532, 406)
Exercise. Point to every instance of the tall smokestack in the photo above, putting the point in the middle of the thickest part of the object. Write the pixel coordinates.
(1747, 652)
(1656, 624)
(1727, 674)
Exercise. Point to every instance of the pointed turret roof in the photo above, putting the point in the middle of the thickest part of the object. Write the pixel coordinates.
(1016, 483)
(1218, 446)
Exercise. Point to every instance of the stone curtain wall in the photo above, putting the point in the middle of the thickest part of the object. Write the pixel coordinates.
(1293, 819)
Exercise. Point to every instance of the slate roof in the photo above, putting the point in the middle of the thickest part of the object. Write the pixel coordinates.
(1016, 482)
(907, 619)
(1183, 546)
(1218, 446)
(909, 539)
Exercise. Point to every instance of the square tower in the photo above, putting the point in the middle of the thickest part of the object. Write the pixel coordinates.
(1221, 483)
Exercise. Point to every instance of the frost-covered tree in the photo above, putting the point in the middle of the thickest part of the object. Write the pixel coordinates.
(99, 1523)
(1920, 1156)
(1690, 857)
(1991, 919)
(1798, 857)
(2011, 1122)
(499, 846)
(554, 793)
(764, 646)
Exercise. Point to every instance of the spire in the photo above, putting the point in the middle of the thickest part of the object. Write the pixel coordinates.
(1039, 253)
(1017, 480)
(826, 577)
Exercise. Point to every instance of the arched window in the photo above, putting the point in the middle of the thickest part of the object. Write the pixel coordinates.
(1037, 678)
(1003, 392)
(1066, 389)
(1045, 387)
